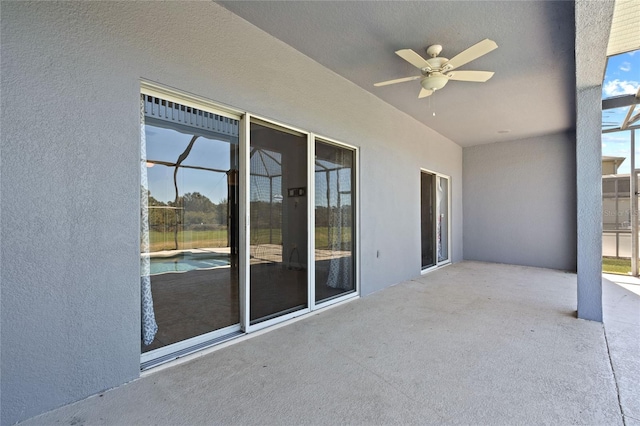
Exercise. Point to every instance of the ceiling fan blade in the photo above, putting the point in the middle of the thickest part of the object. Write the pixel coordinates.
(398, 80)
(477, 76)
(424, 93)
(413, 58)
(474, 52)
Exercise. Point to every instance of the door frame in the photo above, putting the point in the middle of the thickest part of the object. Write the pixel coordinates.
(190, 345)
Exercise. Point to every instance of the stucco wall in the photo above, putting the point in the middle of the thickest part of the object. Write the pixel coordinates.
(520, 202)
(593, 24)
(70, 183)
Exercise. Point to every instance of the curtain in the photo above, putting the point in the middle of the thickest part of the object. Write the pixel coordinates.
(340, 275)
(149, 325)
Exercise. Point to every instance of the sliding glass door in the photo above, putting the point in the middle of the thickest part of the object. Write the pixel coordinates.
(427, 219)
(434, 219)
(334, 221)
(442, 218)
(189, 223)
(243, 224)
(278, 222)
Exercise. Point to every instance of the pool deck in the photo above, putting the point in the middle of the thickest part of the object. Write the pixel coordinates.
(172, 253)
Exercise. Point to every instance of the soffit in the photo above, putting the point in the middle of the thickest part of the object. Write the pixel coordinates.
(532, 92)
(625, 28)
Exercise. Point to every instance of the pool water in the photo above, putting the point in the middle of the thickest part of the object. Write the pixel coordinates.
(187, 262)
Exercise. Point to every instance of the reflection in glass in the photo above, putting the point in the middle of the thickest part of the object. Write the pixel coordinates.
(443, 219)
(191, 218)
(278, 222)
(427, 226)
(334, 221)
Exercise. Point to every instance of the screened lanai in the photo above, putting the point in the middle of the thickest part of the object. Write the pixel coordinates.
(620, 183)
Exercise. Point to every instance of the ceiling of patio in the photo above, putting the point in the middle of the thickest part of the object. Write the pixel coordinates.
(533, 89)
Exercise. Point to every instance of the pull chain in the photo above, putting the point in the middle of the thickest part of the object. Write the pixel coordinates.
(434, 102)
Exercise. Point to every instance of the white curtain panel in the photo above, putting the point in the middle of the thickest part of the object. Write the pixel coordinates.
(149, 325)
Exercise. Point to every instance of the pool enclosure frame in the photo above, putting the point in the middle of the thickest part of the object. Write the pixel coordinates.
(628, 125)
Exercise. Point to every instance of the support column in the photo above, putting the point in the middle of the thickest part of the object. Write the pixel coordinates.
(593, 23)
(589, 200)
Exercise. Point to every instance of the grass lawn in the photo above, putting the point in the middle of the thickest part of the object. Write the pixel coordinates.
(614, 265)
(187, 239)
(218, 238)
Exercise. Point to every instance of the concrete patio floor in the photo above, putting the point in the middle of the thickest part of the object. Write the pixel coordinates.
(471, 343)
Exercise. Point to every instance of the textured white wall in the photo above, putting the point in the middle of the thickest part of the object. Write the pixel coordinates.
(70, 185)
(520, 202)
(593, 23)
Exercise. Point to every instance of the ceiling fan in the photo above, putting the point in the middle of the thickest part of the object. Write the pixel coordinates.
(437, 71)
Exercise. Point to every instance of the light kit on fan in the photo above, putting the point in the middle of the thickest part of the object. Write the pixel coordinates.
(437, 71)
(435, 81)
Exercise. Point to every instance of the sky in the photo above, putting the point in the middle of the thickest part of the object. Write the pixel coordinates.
(167, 145)
(622, 77)
(163, 144)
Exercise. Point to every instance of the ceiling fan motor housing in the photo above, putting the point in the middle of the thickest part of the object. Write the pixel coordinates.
(436, 64)
(434, 50)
